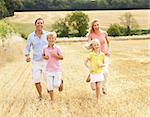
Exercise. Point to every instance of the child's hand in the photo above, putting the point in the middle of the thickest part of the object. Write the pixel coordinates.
(101, 65)
(53, 53)
(46, 57)
(91, 68)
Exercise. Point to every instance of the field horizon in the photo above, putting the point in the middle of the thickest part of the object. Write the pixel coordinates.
(24, 21)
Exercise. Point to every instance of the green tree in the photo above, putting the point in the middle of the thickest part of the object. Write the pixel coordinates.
(78, 22)
(5, 29)
(115, 30)
(74, 24)
(3, 9)
(61, 28)
(9, 4)
(82, 4)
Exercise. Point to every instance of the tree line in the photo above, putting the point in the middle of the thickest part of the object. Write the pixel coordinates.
(7, 7)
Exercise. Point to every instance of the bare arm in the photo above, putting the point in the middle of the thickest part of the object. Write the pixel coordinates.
(86, 64)
(108, 44)
(107, 40)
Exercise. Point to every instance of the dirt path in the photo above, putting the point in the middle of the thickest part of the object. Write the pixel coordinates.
(128, 86)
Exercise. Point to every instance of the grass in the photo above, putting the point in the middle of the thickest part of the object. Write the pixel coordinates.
(24, 21)
(128, 85)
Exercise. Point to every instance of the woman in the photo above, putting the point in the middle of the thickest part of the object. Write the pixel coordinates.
(96, 33)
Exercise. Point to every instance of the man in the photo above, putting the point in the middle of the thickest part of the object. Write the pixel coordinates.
(37, 40)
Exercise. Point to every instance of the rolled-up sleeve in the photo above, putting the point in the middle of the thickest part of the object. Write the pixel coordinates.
(28, 46)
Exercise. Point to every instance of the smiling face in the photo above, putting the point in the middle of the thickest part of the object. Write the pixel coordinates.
(95, 26)
(95, 46)
(51, 40)
(39, 24)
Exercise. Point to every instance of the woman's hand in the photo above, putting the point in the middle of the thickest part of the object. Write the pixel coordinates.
(107, 53)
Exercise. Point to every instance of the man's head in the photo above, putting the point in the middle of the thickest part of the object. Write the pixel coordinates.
(39, 23)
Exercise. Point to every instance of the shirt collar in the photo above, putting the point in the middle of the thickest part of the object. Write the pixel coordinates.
(53, 46)
(42, 33)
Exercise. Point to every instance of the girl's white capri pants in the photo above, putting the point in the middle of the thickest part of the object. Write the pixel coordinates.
(97, 77)
(53, 80)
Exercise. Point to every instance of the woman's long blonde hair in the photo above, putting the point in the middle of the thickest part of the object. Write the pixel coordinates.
(92, 24)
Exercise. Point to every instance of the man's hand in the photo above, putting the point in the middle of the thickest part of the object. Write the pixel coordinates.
(28, 59)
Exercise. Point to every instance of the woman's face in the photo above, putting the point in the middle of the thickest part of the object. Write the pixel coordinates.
(96, 26)
(39, 25)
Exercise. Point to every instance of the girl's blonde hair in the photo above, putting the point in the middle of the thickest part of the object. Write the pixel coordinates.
(94, 41)
(52, 34)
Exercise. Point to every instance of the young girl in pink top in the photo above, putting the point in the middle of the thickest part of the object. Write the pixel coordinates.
(53, 54)
(96, 33)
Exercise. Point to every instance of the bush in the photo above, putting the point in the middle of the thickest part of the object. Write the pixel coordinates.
(78, 21)
(146, 31)
(61, 28)
(139, 32)
(24, 35)
(73, 25)
(116, 30)
(5, 29)
(3, 10)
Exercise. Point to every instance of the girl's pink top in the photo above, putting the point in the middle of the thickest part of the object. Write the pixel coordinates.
(53, 64)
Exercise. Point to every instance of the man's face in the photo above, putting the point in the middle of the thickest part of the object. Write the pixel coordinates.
(39, 25)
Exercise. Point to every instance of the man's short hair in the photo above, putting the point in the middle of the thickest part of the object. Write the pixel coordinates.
(38, 19)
